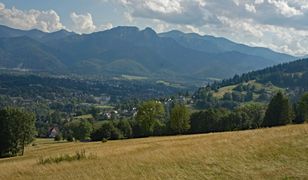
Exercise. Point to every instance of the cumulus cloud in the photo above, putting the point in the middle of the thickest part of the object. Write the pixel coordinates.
(83, 24)
(173, 11)
(47, 21)
(250, 8)
(285, 9)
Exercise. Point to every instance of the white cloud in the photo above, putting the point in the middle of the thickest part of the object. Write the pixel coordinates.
(164, 6)
(47, 21)
(82, 23)
(172, 11)
(250, 8)
(259, 1)
(104, 27)
(284, 8)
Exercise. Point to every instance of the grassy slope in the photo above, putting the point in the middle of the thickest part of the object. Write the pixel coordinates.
(266, 153)
(228, 89)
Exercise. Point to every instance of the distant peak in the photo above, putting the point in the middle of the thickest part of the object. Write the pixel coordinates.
(125, 28)
(149, 32)
(175, 32)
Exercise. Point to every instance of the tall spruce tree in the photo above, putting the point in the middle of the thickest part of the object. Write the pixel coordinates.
(302, 111)
(278, 112)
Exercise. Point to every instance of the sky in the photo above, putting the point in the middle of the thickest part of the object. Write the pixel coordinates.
(281, 25)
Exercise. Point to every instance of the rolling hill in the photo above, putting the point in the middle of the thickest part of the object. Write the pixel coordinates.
(130, 51)
(257, 86)
(276, 153)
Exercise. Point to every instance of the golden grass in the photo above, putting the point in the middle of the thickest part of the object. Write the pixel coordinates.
(274, 153)
(222, 91)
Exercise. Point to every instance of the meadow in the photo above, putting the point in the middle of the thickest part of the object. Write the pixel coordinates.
(271, 153)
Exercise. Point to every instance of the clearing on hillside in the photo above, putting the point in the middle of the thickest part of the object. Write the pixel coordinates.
(275, 153)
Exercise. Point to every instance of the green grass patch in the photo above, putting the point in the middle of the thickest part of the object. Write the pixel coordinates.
(134, 78)
(169, 84)
(104, 107)
(86, 116)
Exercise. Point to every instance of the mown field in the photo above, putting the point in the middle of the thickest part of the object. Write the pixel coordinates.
(273, 153)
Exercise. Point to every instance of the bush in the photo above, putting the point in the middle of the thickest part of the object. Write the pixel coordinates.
(70, 138)
(104, 140)
(58, 137)
(125, 128)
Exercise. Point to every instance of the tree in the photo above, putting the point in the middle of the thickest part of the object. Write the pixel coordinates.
(106, 131)
(126, 128)
(209, 120)
(85, 130)
(80, 130)
(302, 115)
(17, 129)
(278, 112)
(179, 119)
(236, 120)
(255, 113)
(149, 114)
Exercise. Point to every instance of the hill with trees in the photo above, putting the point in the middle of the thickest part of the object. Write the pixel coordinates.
(256, 86)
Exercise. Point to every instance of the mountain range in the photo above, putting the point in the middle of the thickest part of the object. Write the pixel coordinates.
(172, 55)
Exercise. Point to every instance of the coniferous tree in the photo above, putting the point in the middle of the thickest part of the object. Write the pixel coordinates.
(302, 111)
(278, 112)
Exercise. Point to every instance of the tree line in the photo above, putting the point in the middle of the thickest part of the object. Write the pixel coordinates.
(155, 119)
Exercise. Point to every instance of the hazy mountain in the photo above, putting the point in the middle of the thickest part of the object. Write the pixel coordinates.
(211, 44)
(128, 50)
(7, 32)
(28, 54)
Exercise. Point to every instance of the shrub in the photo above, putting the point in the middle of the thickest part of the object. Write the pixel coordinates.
(104, 140)
(58, 137)
(70, 138)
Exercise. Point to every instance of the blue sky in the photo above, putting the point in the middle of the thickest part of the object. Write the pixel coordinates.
(281, 25)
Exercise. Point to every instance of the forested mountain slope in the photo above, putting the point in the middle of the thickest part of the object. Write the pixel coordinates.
(130, 51)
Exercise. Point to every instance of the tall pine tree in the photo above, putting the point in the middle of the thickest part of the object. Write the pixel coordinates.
(302, 115)
(278, 112)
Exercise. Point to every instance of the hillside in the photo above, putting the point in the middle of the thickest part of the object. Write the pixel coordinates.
(257, 86)
(131, 51)
(278, 153)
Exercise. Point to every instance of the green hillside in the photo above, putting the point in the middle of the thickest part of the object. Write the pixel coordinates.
(257, 86)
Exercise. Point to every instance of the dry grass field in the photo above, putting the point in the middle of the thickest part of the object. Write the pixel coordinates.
(274, 153)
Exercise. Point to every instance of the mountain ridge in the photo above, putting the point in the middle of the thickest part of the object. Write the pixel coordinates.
(142, 52)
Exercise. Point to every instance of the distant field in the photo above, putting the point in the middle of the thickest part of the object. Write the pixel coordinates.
(131, 78)
(273, 153)
(169, 84)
